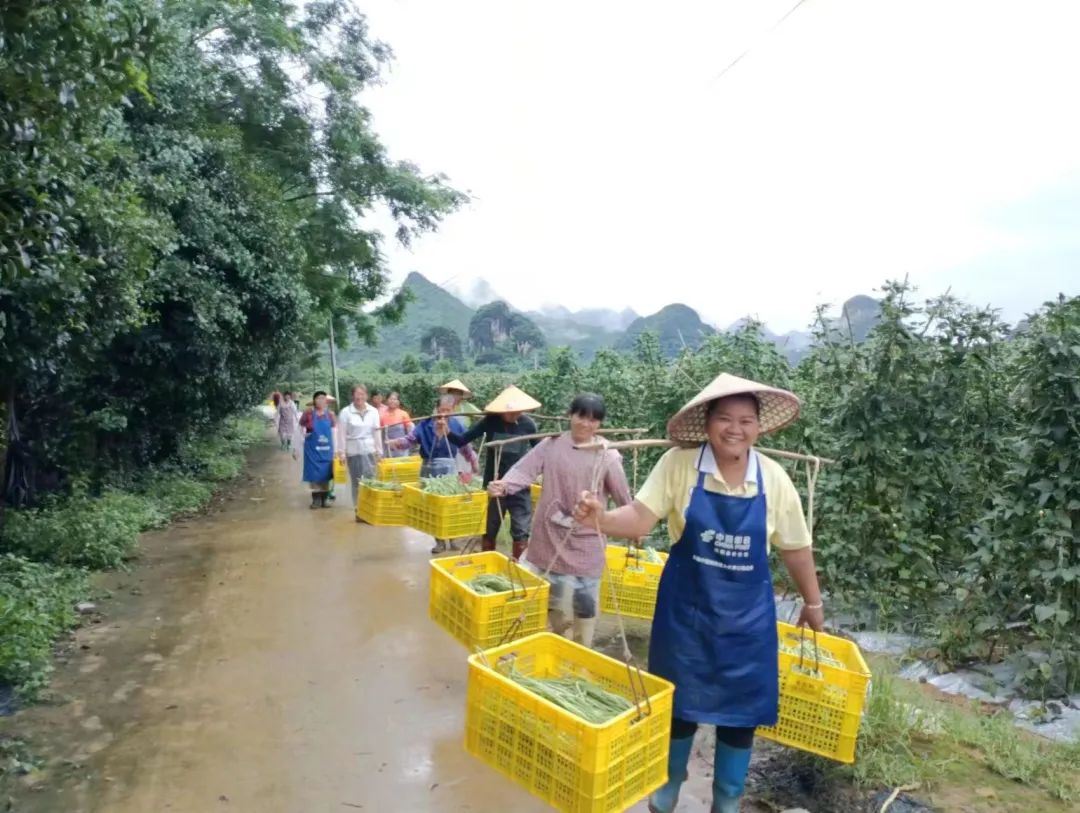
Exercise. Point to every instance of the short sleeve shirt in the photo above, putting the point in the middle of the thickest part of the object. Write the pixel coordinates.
(667, 493)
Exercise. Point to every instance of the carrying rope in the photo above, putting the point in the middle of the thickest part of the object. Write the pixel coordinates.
(635, 675)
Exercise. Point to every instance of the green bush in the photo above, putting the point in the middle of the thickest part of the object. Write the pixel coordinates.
(219, 457)
(36, 605)
(177, 494)
(80, 531)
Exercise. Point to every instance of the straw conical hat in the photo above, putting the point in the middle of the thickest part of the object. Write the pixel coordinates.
(457, 386)
(512, 400)
(778, 408)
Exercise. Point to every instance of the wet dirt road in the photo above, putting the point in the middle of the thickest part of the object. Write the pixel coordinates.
(263, 658)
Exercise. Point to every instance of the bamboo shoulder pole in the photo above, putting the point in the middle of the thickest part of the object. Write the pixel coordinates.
(654, 443)
(416, 419)
(494, 444)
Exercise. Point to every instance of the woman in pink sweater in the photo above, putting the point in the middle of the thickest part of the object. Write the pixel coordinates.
(572, 556)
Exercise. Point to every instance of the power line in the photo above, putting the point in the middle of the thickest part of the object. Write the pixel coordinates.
(775, 25)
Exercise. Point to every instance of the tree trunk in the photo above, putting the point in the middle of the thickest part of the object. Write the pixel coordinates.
(17, 480)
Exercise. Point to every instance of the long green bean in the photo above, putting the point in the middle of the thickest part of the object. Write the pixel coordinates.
(488, 583)
(582, 698)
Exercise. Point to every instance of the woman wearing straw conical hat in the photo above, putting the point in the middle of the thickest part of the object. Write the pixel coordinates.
(505, 420)
(461, 395)
(714, 630)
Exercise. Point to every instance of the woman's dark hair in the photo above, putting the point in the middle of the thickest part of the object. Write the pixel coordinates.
(588, 405)
(748, 397)
(317, 394)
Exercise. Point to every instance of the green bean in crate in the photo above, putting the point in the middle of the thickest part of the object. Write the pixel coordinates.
(380, 503)
(446, 507)
(382, 485)
(488, 583)
(582, 698)
(823, 683)
(650, 555)
(479, 618)
(810, 654)
(449, 485)
(550, 748)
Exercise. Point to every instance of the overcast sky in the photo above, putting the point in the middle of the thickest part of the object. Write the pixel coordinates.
(860, 140)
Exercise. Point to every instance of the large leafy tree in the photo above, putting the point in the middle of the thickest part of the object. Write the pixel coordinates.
(178, 225)
(75, 242)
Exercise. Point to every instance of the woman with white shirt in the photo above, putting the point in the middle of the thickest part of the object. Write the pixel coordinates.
(360, 444)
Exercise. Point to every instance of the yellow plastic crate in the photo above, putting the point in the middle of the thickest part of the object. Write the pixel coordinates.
(401, 469)
(572, 765)
(820, 704)
(484, 620)
(629, 583)
(535, 490)
(377, 506)
(445, 517)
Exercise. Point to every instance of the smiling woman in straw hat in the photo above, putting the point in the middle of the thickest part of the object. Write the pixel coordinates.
(714, 631)
(505, 420)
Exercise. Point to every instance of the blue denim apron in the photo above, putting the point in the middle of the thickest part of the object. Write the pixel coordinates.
(714, 631)
(319, 450)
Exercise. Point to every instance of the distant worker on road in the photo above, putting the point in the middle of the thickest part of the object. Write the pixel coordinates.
(318, 423)
(360, 442)
(287, 418)
(396, 423)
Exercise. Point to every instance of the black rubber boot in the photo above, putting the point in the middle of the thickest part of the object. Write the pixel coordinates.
(323, 496)
(314, 499)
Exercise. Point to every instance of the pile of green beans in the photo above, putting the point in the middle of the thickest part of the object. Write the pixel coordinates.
(487, 584)
(811, 655)
(449, 485)
(582, 698)
(382, 485)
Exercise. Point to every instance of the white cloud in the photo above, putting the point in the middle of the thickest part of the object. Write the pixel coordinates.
(860, 140)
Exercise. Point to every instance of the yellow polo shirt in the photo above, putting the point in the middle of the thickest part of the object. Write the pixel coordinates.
(667, 493)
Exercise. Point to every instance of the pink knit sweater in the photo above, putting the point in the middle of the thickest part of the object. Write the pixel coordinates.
(567, 472)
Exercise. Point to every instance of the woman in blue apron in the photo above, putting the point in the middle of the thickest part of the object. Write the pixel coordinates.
(437, 451)
(318, 424)
(714, 630)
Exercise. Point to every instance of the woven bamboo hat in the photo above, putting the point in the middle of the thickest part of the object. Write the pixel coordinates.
(457, 386)
(512, 400)
(778, 408)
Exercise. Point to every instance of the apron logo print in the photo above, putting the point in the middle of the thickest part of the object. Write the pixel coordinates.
(732, 546)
